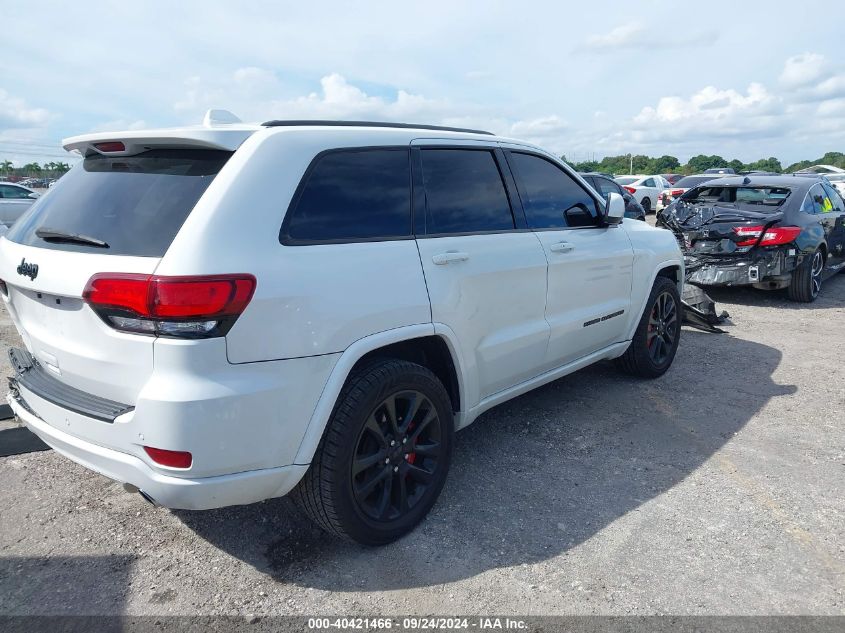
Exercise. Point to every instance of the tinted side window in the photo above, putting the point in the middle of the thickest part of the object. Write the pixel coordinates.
(551, 197)
(833, 196)
(353, 194)
(808, 206)
(649, 183)
(13, 192)
(464, 192)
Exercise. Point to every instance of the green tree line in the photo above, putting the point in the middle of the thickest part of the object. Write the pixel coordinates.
(51, 169)
(671, 165)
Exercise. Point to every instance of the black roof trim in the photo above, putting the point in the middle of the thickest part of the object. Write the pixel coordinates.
(404, 126)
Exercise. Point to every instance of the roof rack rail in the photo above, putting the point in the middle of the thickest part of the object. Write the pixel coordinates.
(411, 126)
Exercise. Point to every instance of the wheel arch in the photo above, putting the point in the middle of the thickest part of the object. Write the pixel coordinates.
(672, 269)
(416, 343)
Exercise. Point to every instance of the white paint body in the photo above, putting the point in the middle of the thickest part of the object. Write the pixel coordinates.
(251, 406)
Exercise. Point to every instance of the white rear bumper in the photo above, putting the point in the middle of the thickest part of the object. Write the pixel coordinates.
(173, 492)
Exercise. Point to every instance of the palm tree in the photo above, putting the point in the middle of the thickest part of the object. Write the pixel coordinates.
(32, 168)
(6, 166)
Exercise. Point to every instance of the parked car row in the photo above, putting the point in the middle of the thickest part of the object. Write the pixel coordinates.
(646, 189)
(38, 183)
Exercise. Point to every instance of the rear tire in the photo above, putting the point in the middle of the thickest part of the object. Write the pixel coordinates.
(806, 280)
(658, 334)
(646, 203)
(384, 455)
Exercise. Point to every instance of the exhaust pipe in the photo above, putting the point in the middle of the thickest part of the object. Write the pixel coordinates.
(147, 497)
(133, 489)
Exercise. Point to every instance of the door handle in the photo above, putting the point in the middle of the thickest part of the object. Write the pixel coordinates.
(449, 257)
(562, 247)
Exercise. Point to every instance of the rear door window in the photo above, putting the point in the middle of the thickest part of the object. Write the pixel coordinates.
(551, 197)
(606, 186)
(833, 197)
(134, 205)
(352, 195)
(464, 192)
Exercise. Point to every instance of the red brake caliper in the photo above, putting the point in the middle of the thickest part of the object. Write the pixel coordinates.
(411, 456)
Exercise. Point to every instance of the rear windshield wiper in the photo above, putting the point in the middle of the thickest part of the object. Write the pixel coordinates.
(57, 235)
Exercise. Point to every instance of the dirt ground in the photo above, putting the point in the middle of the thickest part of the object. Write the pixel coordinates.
(718, 489)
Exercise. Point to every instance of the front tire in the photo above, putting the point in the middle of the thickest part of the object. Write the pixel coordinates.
(384, 455)
(806, 280)
(658, 334)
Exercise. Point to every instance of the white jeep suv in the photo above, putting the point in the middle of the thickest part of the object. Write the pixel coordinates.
(227, 313)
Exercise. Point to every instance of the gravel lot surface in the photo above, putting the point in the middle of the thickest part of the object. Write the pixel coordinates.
(718, 489)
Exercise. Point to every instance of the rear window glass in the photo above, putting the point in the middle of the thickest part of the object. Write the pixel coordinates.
(626, 180)
(606, 186)
(688, 182)
(770, 196)
(129, 205)
(353, 195)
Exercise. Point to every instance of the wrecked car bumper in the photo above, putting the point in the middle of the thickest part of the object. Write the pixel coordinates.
(770, 268)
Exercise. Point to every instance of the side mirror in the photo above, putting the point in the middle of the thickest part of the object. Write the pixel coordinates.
(615, 209)
(34, 195)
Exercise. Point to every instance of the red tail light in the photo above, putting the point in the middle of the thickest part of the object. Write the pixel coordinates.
(186, 307)
(110, 146)
(630, 190)
(173, 459)
(676, 192)
(774, 235)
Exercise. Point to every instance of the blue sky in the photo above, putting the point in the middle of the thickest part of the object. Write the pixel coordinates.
(743, 80)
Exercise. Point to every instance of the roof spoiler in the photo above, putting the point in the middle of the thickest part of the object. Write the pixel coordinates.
(220, 130)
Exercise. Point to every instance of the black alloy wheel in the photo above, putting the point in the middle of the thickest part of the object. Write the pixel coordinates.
(384, 455)
(658, 333)
(806, 282)
(816, 268)
(396, 456)
(663, 324)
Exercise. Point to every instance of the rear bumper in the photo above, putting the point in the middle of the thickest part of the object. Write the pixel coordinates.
(243, 424)
(771, 265)
(172, 492)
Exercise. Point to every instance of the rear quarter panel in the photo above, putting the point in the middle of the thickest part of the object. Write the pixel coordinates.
(310, 300)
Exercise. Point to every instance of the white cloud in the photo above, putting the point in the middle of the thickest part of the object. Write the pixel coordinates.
(832, 108)
(15, 114)
(810, 104)
(802, 70)
(256, 99)
(541, 128)
(638, 35)
(632, 34)
(811, 77)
